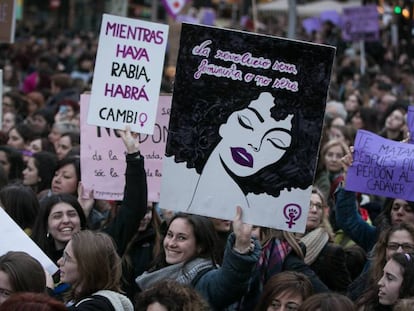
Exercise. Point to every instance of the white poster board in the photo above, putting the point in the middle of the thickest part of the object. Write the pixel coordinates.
(245, 126)
(127, 75)
(13, 238)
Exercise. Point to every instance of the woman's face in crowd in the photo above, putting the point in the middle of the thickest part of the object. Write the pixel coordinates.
(285, 300)
(395, 121)
(390, 283)
(30, 173)
(6, 288)
(336, 133)
(4, 161)
(63, 222)
(8, 105)
(54, 136)
(63, 147)
(315, 212)
(35, 145)
(252, 139)
(65, 180)
(179, 242)
(351, 103)
(221, 225)
(357, 122)
(333, 158)
(401, 211)
(399, 241)
(8, 122)
(15, 140)
(143, 225)
(39, 123)
(68, 266)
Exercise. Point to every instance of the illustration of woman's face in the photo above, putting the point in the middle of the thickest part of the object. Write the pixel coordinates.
(252, 139)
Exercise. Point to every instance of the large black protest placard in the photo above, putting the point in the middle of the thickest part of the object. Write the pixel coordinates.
(245, 126)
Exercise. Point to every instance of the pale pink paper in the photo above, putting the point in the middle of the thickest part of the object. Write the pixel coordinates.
(103, 155)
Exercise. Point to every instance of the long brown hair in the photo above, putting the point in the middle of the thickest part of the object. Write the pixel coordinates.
(379, 251)
(99, 265)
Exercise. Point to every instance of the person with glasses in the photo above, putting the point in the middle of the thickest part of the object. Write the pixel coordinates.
(329, 169)
(395, 211)
(20, 272)
(322, 255)
(91, 265)
(396, 239)
(396, 283)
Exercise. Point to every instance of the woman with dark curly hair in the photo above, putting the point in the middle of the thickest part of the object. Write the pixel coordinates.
(257, 151)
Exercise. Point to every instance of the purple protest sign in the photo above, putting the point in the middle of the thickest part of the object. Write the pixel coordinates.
(360, 23)
(410, 123)
(382, 167)
(332, 16)
(311, 24)
(103, 160)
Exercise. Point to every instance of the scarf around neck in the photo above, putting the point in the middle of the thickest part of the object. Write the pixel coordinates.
(314, 241)
(183, 273)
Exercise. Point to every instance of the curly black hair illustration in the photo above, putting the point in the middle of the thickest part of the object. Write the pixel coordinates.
(201, 106)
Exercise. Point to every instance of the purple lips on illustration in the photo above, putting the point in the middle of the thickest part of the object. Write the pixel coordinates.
(242, 157)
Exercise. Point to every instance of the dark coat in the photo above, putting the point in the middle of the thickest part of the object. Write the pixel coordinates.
(330, 267)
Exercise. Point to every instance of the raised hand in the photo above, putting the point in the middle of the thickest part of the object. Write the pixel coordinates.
(130, 139)
(243, 232)
(347, 162)
(85, 199)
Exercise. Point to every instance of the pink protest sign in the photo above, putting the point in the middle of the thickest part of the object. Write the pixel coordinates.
(103, 155)
(382, 166)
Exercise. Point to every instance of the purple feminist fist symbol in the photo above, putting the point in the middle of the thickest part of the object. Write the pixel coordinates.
(292, 213)
(143, 118)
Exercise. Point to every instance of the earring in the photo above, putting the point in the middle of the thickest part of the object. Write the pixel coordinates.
(47, 235)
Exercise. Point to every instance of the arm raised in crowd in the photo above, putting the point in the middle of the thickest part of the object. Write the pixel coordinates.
(134, 204)
(347, 216)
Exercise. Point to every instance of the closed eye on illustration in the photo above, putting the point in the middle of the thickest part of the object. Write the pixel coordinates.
(245, 122)
(283, 139)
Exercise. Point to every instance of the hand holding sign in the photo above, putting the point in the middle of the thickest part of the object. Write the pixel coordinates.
(382, 167)
(347, 162)
(130, 140)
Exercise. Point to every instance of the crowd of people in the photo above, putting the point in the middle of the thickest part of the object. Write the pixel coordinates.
(357, 252)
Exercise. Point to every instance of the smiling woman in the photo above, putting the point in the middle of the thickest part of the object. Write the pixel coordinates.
(188, 256)
(60, 216)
